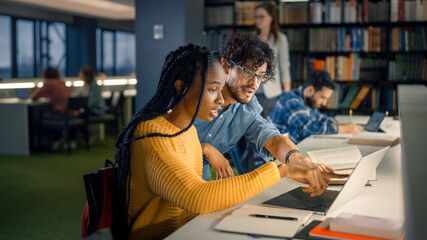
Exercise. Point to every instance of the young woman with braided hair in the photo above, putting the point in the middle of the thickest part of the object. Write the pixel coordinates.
(159, 156)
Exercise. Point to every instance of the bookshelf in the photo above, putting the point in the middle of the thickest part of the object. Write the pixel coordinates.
(362, 43)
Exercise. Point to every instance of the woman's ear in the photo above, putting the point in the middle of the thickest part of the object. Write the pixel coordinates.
(224, 63)
(178, 86)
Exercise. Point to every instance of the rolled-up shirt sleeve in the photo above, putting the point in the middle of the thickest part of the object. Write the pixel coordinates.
(260, 132)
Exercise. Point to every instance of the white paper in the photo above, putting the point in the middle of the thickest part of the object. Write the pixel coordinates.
(336, 157)
(338, 135)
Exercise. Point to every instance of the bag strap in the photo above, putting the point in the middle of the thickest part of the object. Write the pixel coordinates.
(108, 163)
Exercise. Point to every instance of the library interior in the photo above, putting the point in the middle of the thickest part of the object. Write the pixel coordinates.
(105, 133)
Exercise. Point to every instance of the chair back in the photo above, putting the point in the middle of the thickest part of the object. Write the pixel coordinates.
(116, 99)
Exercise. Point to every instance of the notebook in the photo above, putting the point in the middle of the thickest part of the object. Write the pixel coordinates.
(331, 200)
(264, 221)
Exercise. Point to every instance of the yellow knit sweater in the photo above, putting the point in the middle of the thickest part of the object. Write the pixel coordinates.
(167, 189)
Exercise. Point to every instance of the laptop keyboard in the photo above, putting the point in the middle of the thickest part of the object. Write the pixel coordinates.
(302, 200)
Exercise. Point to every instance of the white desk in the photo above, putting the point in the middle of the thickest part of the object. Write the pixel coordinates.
(383, 199)
(15, 125)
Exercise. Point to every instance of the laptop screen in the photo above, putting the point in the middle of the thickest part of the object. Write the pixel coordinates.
(374, 121)
(22, 93)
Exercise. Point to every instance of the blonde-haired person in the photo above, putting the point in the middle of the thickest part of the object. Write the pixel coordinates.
(268, 30)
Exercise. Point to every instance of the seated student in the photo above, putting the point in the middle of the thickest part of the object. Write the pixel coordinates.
(159, 156)
(297, 111)
(92, 90)
(57, 93)
(53, 89)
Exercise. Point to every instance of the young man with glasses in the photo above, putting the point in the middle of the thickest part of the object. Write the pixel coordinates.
(248, 62)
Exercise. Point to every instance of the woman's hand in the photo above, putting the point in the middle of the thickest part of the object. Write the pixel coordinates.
(217, 161)
(316, 178)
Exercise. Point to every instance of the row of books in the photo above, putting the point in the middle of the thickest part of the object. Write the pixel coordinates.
(404, 10)
(328, 11)
(355, 97)
(245, 12)
(298, 67)
(341, 68)
(293, 13)
(406, 39)
(219, 15)
(352, 68)
(216, 38)
(361, 97)
(348, 11)
(372, 39)
(412, 67)
(296, 39)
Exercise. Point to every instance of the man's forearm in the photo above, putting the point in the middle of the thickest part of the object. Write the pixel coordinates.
(279, 146)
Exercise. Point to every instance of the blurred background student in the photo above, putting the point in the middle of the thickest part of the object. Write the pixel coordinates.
(57, 93)
(53, 89)
(268, 30)
(92, 90)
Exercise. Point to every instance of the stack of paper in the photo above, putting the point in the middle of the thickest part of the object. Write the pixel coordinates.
(375, 138)
(368, 226)
(325, 230)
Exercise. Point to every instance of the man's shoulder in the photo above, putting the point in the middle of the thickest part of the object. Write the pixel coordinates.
(252, 105)
(290, 95)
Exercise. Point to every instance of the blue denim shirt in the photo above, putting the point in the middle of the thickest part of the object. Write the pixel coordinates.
(224, 131)
(291, 114)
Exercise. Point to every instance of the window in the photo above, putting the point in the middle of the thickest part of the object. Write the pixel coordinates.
(125, 53)
(98, 49)
(115, 52)
(29, 46)
(107, 52)
(25, 48)
(5, 48)
(57, 46)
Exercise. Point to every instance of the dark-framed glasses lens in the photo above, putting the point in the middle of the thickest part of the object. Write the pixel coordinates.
(248, 74)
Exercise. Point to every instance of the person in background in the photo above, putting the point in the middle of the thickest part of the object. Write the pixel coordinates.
(268, 30)
(248, 63)
(92, 90)
(159, 156)
(53, 89)
(297, 111)
(57, 93)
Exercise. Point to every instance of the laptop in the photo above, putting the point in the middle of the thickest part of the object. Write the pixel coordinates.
(22, 93)
(374, 121)
(331, 200)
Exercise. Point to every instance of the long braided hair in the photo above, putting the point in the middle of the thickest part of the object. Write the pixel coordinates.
(183, 64)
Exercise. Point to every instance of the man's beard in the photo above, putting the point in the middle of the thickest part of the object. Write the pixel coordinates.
(310, 102)
(234, 93)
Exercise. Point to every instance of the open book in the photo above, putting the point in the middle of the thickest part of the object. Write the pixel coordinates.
(343, 160)
(374, 138)
(264, 221)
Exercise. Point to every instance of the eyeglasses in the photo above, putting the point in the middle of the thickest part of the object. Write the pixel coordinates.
(249, 74)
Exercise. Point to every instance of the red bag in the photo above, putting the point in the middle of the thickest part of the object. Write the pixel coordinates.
(104, 207)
